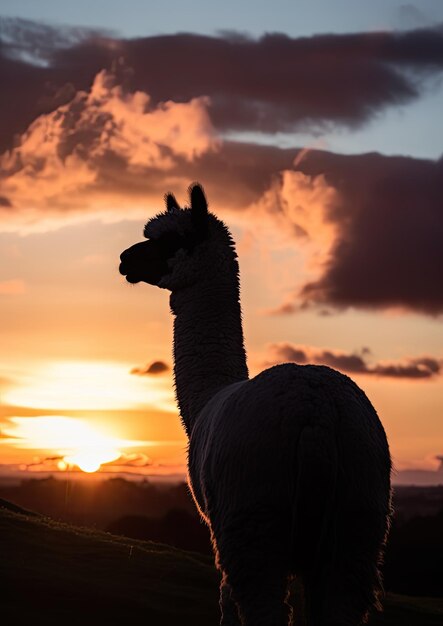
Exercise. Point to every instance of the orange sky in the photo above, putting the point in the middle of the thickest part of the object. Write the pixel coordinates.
(72, 329)
(73, 333)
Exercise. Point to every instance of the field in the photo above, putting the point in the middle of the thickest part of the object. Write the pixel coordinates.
(63, 574)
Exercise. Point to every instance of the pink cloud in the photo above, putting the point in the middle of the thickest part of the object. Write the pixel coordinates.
(294, 211)
(59, 163)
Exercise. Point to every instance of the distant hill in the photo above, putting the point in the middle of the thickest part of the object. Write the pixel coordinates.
(419, 478)
(64, 574)
(55, 573)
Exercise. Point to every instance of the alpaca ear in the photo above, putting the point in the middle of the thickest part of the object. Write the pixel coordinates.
(199, 209)
(171, 202)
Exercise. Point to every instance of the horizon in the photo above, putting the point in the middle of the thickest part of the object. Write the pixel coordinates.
(402, 478)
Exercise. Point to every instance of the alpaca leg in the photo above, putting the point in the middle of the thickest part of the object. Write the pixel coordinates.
(255, 563)
(349, 585)
(228, 607)
(338, 601)
(262, 598)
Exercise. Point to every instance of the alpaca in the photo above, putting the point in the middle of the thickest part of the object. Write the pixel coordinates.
(289, 469)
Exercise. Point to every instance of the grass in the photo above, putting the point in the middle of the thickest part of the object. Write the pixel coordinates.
(55, 573)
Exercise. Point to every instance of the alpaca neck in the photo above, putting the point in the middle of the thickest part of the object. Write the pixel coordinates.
(208, 341)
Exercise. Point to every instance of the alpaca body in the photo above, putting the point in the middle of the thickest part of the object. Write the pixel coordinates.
(290, 469)
(257, 431)
(285, 456)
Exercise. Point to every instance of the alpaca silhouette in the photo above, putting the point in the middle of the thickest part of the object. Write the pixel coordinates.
(290, 469)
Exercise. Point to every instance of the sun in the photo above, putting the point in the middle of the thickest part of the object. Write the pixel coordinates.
(91, 460)
(76, 442)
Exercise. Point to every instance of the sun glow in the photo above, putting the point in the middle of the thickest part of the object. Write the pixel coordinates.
(89, 385)
(76, 442)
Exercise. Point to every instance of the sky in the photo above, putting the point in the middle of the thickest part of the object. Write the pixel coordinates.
(315, 130)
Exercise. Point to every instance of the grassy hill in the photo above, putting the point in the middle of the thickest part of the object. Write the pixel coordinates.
(54, 573)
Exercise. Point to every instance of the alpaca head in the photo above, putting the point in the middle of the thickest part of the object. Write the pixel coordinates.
(182, 245)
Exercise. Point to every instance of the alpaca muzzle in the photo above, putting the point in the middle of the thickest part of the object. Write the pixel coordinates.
(144, 262)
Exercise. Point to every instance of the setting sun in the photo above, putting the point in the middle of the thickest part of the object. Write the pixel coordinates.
(90, 461)
(77, 443)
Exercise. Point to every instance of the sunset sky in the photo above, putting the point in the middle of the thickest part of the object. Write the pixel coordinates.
(315, 128)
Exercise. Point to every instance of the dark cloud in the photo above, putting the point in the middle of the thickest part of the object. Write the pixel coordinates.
(415, 368)
(388, 251)
(270, 84)
(156, 367)
(288, 352)
(355, 363)
(5, 202)
(36, 42)
(346, 362)
(32, 81)
(276, 83)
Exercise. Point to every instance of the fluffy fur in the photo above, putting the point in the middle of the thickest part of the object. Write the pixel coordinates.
(290, 469)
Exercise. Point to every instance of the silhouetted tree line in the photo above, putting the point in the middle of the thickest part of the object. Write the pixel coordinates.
(414, 556)
(97, 503)
(165, 513)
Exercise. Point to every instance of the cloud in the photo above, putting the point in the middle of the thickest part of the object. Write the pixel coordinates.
(134, 460)
(156, 367)
(425, 367)
(34, 82)
(372, 229)
(91, 141)
(89, 183)
(368, 227)
(131, 463)
(65, 156)
(5, 202)
(388, 250)
(36, 42)
(300, 204)
(274, 83)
